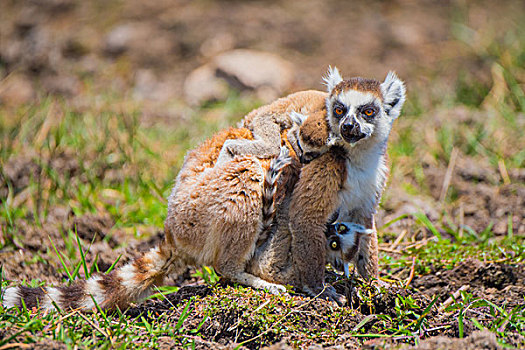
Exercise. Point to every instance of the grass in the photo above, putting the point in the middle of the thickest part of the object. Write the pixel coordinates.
(103, 160)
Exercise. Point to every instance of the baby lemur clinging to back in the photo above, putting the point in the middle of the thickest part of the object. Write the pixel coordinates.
(348, 130)
(268, 122)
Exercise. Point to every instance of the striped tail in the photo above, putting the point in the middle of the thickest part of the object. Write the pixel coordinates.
(270, 189)
(132, 282)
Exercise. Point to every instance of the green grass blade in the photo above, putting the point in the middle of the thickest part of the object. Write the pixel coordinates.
(113, 265)
(82, 256)
(426, 221)
(61, 260)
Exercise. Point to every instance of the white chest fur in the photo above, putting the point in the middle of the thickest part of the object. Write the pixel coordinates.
(363, 186)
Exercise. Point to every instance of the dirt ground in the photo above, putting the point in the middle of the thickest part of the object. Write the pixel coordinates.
(54, 46)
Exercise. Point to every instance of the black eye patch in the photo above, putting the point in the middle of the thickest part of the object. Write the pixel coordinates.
(369, 110)
(339, 110)
(368, 106)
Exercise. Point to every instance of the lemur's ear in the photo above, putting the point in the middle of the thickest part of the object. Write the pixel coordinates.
(332, 78)
(297, 118)
(394, 94)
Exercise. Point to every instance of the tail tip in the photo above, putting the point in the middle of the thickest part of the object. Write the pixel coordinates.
(11, 297)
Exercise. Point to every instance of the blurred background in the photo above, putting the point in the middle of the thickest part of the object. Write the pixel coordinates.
(100, 100)
(153, 50)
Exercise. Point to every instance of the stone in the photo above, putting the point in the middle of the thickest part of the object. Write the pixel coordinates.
(253, 70)
(144, 42)
(202, 85)
(266, 75)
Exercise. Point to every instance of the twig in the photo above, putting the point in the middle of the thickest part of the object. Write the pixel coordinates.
(399, 239)
(97, 328)
(503, 171)
(15, 345)
(450, 299)
(421, 243)
(461, 219)
(448, 174)
(388, 250)
(412, 272)
(50, 326)
(437, 328)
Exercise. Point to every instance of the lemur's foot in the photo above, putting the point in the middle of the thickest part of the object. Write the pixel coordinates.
(275, 288)
(329, 293)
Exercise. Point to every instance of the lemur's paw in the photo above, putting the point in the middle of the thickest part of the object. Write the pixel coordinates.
(327, 292)
(234, 147)
(275, 288)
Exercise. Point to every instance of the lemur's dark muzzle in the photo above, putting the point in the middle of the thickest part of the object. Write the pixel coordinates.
(351, 132)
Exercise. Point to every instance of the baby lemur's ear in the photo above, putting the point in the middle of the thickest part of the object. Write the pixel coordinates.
(332, 78)
(394, 94)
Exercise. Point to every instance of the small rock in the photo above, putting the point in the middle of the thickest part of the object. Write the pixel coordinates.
(149, 87)
(121, 38)
(265, 74)
(145, 42)
(254, 70)
(203, 85)
(217, 44)
(16, 90)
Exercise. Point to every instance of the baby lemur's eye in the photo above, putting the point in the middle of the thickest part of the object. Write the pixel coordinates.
(369, 112)
(334, 245)
(341, 229)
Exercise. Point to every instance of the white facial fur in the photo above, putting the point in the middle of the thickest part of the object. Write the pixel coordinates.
(388, 109)
(353, 100)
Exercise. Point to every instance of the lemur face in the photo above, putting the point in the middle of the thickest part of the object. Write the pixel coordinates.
(343, 243)
(360, 109)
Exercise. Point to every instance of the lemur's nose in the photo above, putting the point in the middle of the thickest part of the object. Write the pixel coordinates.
(346, 127)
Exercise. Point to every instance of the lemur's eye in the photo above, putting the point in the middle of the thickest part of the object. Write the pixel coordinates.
(341, 229)
(369, 112)
(334, 245)
(339, 111)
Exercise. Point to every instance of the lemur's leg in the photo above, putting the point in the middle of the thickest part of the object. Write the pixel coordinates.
(314, 200)
(218, 220)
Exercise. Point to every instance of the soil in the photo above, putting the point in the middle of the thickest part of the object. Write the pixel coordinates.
(492, 282)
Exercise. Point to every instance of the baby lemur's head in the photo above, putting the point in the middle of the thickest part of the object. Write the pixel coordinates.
(343, 243)
(361, 111)
(309, 135)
